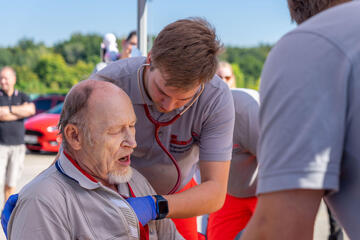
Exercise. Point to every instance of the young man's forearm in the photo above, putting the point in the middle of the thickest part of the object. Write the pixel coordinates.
(207, 197)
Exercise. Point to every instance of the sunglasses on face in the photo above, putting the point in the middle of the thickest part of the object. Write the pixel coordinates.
(226, 78)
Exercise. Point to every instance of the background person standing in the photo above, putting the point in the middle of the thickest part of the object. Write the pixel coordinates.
(14, 107)
(240, 202)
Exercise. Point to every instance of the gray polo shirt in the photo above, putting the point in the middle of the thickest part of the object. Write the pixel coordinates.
(204, 132)
(243, 170)
(309, 113)
(55, 206)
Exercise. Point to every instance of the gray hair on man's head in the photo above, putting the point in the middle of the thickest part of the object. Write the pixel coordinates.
(73, 111)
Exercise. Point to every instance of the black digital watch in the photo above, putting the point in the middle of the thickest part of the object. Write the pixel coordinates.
(162, 208)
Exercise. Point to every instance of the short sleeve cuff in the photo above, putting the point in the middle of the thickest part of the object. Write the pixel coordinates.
(291, 181)
(216, 157)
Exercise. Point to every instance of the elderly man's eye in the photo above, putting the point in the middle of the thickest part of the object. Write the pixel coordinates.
(114, 131)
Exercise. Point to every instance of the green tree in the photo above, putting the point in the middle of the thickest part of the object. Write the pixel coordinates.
(27, 53)
(28, 81)
(81, 71)
(239, 75)
(249, 60)
(6, 57)
(54, 73)
(80, 47)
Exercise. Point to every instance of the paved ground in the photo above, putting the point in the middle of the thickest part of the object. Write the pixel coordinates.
(35, 163)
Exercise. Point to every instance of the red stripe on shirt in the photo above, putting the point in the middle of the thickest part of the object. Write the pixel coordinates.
(80, 169)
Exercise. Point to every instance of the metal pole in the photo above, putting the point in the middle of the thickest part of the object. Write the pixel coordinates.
(142, 26)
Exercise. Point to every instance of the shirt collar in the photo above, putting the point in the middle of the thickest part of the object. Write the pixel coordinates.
(3, 93)
(135, 91)
(72, 170)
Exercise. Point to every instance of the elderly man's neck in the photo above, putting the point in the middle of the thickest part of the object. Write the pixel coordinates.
(80, 158)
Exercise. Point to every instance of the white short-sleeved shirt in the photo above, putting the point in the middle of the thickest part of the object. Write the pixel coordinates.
(203, 132)
(310, 112)
(243, 169)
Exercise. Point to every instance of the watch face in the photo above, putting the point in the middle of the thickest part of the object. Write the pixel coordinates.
(163, 207)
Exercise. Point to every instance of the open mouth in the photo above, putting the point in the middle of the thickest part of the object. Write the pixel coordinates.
(125, 159)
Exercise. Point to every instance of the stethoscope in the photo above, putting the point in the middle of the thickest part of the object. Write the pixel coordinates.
(158, 125)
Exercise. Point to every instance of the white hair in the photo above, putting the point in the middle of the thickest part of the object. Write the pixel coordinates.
(121, 176)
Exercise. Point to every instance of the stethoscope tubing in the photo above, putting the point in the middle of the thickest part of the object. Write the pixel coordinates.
(159, 124)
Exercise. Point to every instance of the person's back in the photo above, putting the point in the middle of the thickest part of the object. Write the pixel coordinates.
(309, 119)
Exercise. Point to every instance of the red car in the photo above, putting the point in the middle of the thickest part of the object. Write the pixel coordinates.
(41, 132)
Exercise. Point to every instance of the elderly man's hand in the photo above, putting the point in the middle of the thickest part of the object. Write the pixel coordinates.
(6, 212)
(144, 208)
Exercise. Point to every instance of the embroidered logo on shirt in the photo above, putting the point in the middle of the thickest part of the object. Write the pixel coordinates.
(180, 146)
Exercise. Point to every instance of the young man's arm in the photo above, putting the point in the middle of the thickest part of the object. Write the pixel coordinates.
(204, 198)
(284, 215)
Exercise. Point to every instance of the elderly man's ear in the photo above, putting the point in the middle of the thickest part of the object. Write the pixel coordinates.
(73, 136)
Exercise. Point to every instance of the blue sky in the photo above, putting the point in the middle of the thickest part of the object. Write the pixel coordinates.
(238, 22)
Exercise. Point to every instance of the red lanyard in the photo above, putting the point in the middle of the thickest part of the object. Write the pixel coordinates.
(144, 230)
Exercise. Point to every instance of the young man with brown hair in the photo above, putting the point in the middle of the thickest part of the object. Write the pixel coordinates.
(310, 124)
(179, 73)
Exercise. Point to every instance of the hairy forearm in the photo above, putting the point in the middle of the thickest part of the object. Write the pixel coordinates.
(202, 199)
(284, 215)
(207, 197)
(8, 117)
(24, 110)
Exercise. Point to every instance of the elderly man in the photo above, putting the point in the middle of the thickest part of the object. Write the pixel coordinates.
(82, 196)
(310, 124)
(14, 107)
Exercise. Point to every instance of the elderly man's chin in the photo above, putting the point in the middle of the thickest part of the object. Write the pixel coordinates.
(120, 176)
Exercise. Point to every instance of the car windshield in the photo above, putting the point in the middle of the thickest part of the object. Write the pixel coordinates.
(57, 109)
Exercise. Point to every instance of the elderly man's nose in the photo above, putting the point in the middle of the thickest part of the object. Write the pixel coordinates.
(132, 142)
(129, 140)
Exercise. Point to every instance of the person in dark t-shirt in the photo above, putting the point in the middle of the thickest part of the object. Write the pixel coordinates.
(14, 107)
